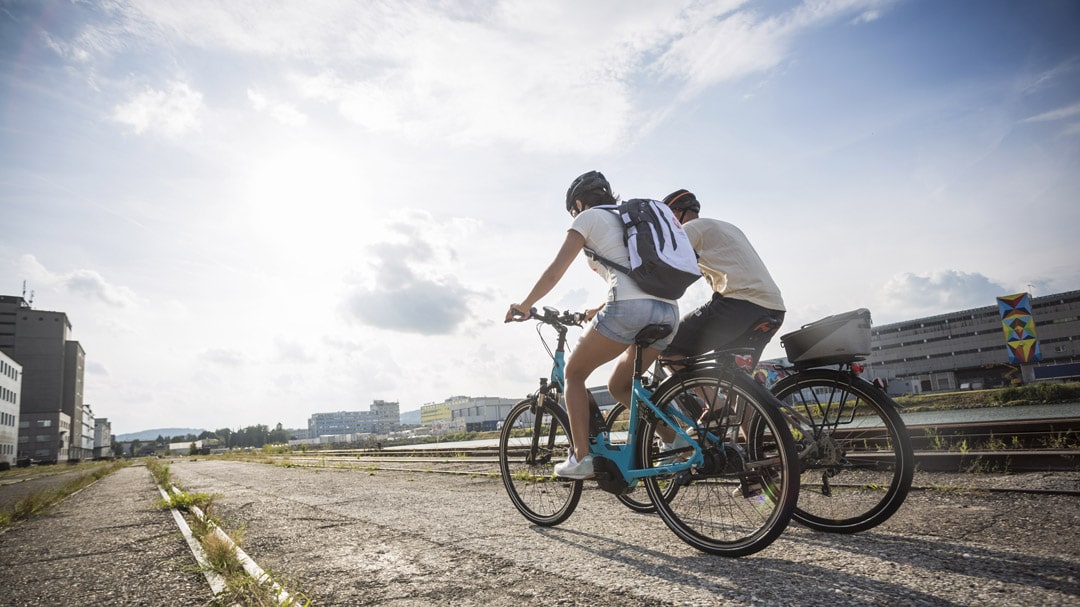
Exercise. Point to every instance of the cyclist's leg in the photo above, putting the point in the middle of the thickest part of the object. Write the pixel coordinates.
(621, 382)
(723, 322)
(620, 322)
(594, 349)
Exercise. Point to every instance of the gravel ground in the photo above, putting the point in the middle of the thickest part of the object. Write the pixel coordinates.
(366, 537)
(401, 538)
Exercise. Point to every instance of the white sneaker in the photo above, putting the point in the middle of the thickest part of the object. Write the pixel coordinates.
(676, 444)
(574, 469)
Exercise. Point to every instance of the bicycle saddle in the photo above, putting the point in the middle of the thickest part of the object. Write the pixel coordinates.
(651, 333)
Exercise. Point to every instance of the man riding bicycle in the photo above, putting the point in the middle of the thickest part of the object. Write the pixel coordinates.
(743, 290)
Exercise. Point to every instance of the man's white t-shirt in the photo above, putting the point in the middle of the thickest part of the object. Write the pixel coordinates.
(603, 232)
(730, 264)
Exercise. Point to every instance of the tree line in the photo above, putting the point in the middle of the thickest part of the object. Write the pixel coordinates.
(251, 436)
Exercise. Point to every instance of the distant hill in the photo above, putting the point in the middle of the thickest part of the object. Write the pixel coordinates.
(153, 434)
(410, 418)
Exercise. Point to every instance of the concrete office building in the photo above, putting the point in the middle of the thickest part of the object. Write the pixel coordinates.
(52, 386)
(10, 390)
(967, 349)
(433, 414)
(383, 418)
(87, 434)
(102, 438)
(478, 414)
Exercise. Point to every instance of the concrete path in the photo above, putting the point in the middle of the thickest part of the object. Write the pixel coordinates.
(106, 545)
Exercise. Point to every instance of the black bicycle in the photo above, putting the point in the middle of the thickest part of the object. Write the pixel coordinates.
(855, 455)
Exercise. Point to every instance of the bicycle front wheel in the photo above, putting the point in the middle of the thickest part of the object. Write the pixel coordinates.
(860, 468)
(533, 439)
(742, 497)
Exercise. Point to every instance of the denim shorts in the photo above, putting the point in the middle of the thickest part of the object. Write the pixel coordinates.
(621, 320)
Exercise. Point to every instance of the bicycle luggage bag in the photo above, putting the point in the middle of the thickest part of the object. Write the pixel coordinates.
(831, 340)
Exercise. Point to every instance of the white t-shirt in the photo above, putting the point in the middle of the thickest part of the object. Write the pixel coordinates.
(730, 263)
(603, 232)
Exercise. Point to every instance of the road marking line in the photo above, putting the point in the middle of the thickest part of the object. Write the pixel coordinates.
(217, 583)
(250, 566)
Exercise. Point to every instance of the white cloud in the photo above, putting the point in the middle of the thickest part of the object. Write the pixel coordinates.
(731, 45)
(171, 112)
(1058, 114)
(412, 286)
(910, 295)
(551, 77)
(86, 284)
(282, 112)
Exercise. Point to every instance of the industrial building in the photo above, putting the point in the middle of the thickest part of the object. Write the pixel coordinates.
(10, 388)
(54, 424)
(383, 418)
(967, 349)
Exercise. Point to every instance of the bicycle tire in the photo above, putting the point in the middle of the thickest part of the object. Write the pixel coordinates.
(862, 471)
(743, 497)
(527, 465)
(638, 498)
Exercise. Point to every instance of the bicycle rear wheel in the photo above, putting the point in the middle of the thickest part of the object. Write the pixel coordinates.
(860, 471)
(742, 498)
(533, 439)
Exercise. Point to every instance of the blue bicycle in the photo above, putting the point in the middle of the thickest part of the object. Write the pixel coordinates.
(725, 482)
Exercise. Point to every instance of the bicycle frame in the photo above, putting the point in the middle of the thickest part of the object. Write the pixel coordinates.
(601, 446)
(623, 455)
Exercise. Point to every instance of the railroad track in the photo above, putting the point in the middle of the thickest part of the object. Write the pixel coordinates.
(1012, 446)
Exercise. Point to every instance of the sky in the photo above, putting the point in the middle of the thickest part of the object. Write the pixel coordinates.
(252, 211)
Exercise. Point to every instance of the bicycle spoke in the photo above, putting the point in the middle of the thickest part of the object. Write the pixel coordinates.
(859, 462)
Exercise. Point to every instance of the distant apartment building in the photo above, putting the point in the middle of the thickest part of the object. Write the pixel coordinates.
(52, 379)
(967, 349)
(10, 389)
(102, 438)
(383, 418)
(87, 434)
(45, 437)
(477, 414)
(436, 417)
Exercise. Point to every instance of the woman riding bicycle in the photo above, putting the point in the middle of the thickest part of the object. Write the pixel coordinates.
(626, 311)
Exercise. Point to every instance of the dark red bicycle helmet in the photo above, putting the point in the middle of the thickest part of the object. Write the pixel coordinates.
(682, 200)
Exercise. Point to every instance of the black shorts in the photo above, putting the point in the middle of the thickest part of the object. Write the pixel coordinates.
(719, 324)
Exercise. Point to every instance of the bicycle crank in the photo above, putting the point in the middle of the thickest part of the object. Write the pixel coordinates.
(609, 477)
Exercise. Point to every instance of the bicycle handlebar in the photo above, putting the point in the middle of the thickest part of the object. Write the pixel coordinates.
(552, 316)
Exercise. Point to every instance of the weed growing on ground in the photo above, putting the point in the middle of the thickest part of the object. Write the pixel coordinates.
(40, 501)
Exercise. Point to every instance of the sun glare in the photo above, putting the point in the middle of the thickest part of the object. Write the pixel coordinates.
(305, 194)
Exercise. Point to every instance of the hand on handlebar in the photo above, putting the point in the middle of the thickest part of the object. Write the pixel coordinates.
(590, 314)
(516, 314)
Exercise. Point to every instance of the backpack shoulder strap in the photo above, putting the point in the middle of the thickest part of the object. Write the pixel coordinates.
(605, 261)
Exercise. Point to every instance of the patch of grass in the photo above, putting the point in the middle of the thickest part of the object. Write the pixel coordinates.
(160, 471)
(185, 501)
(40, 501)
(1038, 392)
(1061, 440)
(981, 466)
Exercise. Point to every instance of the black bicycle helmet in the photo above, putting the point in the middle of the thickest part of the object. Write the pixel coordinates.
(682, 200)
(593, 180)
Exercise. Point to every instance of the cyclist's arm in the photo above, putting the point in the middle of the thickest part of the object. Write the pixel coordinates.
(570, 248)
